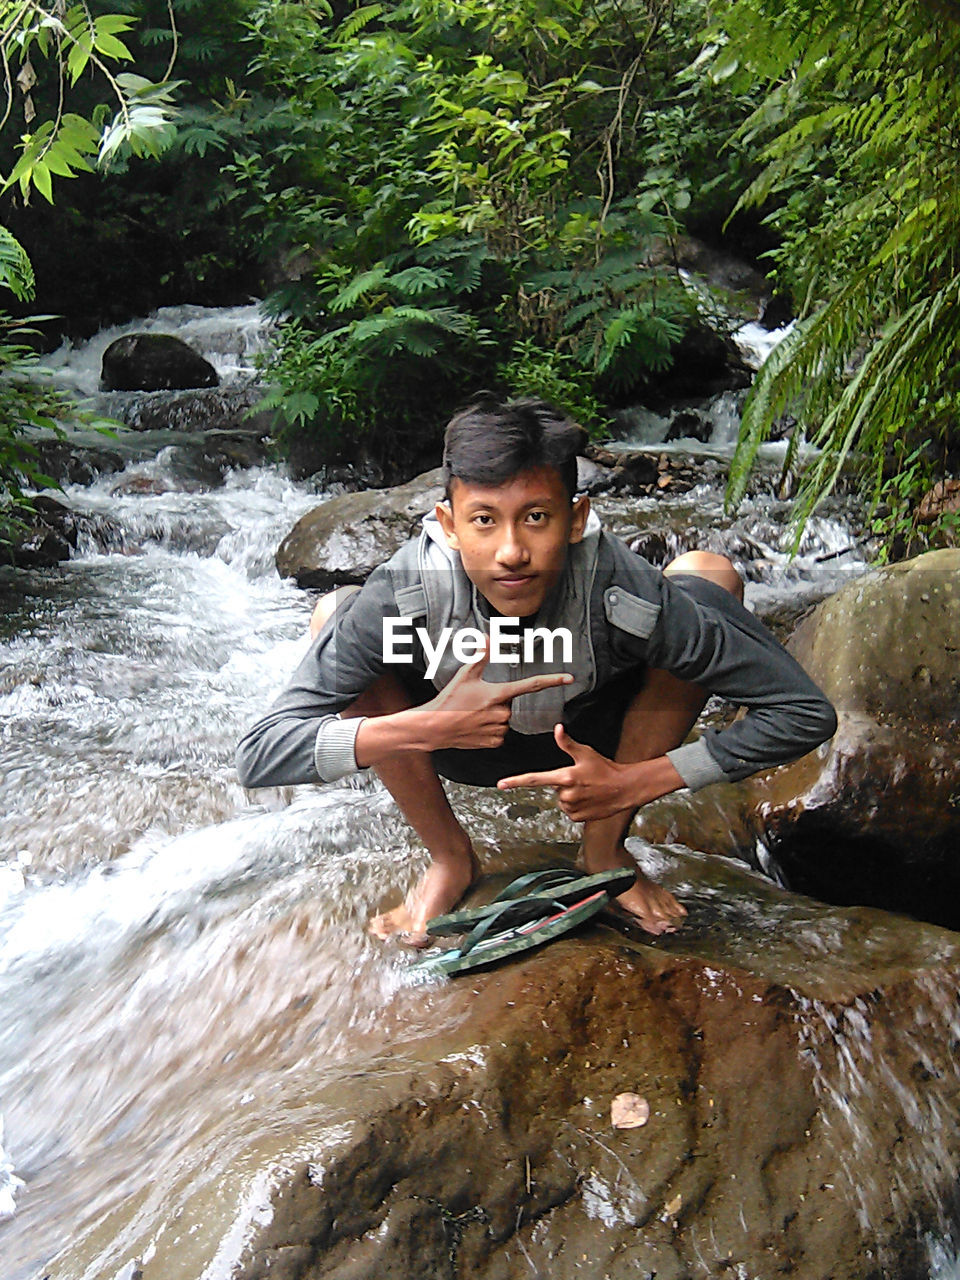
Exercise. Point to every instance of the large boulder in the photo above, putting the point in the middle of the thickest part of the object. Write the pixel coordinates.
(797, 1060)
(348, 536)
(803, 1114)
(154, 362)
(873, 816)
(703, 363)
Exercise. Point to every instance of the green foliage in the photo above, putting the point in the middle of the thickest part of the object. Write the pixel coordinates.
(16, 271)
(502, 171)
(554, 376)
(401, 348)
(72, 41)
(24, 408)
(861, 136)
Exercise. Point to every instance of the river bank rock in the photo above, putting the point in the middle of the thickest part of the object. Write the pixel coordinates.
(873, 816)
(52, 531)
(202, 457)
(201, 409)
(703, 363)
(796, 1060)
(154, 362)
(345, 539)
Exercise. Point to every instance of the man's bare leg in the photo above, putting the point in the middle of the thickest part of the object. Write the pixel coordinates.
(657, 720)
(419, 795)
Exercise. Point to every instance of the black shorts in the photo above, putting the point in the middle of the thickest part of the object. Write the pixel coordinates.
(595, 719)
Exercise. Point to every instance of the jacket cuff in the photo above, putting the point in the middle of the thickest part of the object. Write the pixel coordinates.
(335, 754)
(696, 766)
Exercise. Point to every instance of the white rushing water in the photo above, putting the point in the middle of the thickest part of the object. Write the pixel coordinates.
(230, 338)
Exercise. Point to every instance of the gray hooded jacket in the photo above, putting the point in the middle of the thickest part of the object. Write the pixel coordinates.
(622, 613)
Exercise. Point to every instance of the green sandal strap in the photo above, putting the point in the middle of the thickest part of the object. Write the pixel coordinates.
(549, 878)
(529, 909)
(512, 941)
(556, 884)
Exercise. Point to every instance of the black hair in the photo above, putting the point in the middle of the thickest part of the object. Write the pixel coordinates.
(492, 441)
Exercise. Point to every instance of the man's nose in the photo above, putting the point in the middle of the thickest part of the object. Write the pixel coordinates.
(512, 550)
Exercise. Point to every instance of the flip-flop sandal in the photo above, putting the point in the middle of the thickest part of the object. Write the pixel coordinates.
(527, 894)
(484, 947)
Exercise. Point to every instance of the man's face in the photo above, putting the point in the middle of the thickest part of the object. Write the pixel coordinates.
(513, 537)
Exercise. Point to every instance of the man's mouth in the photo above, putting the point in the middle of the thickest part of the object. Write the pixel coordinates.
(514, 579)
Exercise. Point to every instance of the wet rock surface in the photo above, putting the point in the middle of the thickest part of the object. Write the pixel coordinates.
(82, 455)
(345, 539)
(208, 408)
(776, 1043)
(154, 362)
(872, 817)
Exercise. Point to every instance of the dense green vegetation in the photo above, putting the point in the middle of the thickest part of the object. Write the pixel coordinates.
(45, 49)
(441, 197)
(480, 196)
(860, 134)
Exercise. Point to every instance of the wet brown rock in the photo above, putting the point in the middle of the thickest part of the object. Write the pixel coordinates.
(346, 538)
(779, 1045)
(942, 499)
(873, 816)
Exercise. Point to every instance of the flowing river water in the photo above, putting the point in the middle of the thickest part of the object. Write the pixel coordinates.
(183, 966)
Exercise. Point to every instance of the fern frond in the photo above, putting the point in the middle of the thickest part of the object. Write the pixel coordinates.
(416, 280)
(358, 287)
(16, 270)
(357, 22)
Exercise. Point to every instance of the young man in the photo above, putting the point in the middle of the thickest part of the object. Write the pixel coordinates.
(412, 675)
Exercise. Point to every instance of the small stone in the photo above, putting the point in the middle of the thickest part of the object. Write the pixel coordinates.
(629, 1111)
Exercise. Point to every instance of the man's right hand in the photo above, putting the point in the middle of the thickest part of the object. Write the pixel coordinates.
(471, 712)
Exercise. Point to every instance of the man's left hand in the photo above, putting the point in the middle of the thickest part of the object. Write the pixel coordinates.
(591, 787)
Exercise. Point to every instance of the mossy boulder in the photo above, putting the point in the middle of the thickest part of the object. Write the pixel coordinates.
(873, 816)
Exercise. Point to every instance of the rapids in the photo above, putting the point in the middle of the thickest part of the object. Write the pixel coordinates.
(186, 987)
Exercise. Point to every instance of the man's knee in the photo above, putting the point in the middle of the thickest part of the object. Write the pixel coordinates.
(326, 607)
(710, 565)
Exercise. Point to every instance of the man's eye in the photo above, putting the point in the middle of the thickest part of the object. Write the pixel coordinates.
(482, 519)
(537, 517)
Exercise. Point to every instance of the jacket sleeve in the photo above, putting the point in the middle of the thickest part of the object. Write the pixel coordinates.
(302, 738)
(707, 637)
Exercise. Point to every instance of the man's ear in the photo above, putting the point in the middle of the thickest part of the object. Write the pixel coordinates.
(445, 516)
(578, 522)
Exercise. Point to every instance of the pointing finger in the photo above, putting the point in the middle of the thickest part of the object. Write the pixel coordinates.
(552, 778)
(533, 684)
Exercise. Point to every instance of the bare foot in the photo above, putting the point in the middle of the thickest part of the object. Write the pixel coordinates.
(443, 885)
(654, 908)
